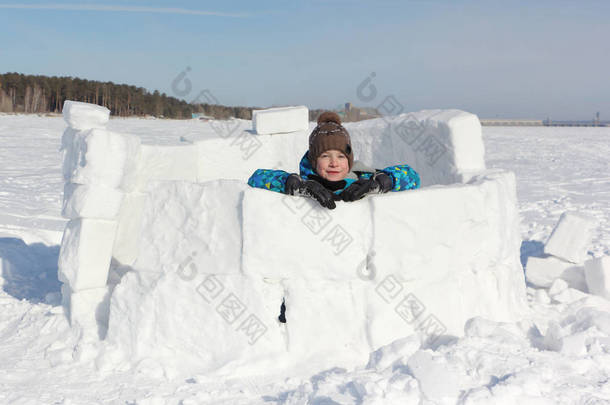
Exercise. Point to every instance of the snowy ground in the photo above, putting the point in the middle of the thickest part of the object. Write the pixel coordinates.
(561, 354)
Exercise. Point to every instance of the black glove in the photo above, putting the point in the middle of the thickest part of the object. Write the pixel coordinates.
(379, 183)
(309, 188)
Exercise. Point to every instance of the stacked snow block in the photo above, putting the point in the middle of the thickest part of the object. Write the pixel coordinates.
(280, 120)
(443, 146)
(444, 255)
(99, 169)
(238, 154)
(566, 252)
(217, 259)
(201, 244)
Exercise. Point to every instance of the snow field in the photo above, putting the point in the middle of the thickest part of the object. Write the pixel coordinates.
(44, 362)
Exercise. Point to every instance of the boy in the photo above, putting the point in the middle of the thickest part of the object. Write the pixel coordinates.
(328, 171)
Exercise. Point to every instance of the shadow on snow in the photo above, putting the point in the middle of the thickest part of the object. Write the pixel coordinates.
(29, 271)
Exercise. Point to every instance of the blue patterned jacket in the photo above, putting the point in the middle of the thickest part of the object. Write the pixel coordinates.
(403, 176)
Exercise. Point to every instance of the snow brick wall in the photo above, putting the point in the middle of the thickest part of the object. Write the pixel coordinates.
(170, 257)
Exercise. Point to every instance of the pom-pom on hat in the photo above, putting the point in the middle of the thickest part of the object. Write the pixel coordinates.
(329, 134)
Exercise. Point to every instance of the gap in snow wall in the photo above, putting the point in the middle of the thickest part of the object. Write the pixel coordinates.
(170, 256)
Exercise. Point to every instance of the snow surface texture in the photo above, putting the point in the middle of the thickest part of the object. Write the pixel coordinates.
(392, 263)
(558, 354)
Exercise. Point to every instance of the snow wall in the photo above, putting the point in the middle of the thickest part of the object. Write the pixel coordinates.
(170, 257)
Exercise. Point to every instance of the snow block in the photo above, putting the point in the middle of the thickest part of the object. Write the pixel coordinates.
(443, 146)
(293, 234)
(85, 201)
(326, 322)
(167, 163)
(223, 256)
(100, 157)
(280, 120)
(597, 274)
(210, 323)
(85, 254)
(81, 116)
(239, 154)
(542, 271)
(87, 309)
(571, 237)
(434, 244)
(129, 229)
(192, 228)
(401, 264)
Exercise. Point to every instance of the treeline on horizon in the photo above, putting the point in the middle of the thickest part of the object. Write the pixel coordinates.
(21, 93)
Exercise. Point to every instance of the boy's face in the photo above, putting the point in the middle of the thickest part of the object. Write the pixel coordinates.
(332, 165)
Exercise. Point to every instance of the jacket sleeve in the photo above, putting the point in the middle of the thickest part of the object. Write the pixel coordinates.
(274, 180)
(404, 177)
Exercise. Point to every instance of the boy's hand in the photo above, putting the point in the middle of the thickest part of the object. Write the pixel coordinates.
(309, 188)
(379, 183)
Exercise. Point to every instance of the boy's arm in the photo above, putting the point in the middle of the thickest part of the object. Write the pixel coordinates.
(403, 176)
(274, 180)
(292, 184)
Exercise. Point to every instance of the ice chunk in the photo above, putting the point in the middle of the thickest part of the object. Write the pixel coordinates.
(101, 157)
(81, 116)
(568, 295)
(542, 297)
(192, 228)
(91, 201)
(500, 331)
(286, 236)
(557, 287)
(542, 271)
(85, 254)
(597, 273)
(282, 119)
(571, 237)
(438, 380)
(395, 353)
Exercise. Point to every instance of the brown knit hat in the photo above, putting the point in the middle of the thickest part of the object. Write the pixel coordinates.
(329, 134)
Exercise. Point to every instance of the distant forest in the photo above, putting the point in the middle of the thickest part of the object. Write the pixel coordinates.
(43, 94)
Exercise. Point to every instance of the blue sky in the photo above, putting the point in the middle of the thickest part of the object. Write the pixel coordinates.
(523, 59)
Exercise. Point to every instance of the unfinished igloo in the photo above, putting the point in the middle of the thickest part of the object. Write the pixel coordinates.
(169, 256)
